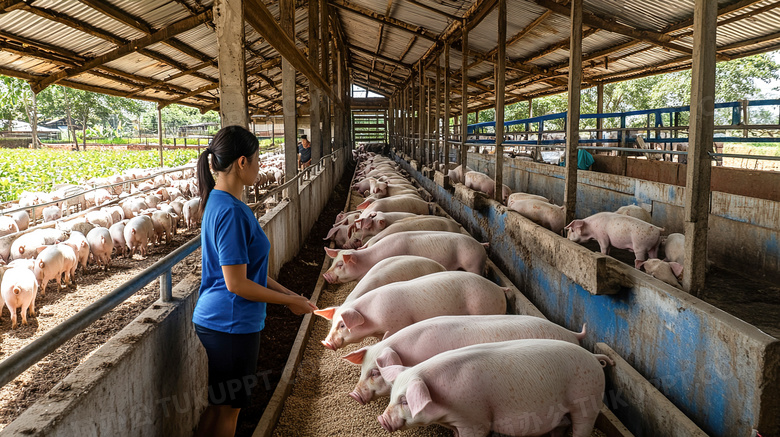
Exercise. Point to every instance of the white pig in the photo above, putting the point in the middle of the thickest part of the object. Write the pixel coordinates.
(542, 213)
(139, 231)
(620, 231)
(191, 212)
(636, 212)
(117, 231)
(19, 289)
(394, 269)
(8, 225)
(101, 245)
(78, 242)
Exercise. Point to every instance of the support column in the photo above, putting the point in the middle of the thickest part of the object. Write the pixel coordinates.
(325, 71)
(159, 135)
(287, 9)
(464, 107)
(421, 116)
(447, 111)
(500, 96)
(315, 111)
(600, 110)
(573, 114)
(229, 21)
(697, 186)
(437, 126)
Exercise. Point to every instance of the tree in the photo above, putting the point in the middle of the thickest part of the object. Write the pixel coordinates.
(18, 99)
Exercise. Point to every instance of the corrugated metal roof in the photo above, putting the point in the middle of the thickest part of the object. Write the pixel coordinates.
(33, 45)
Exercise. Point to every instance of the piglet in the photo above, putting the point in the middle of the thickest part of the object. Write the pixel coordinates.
(191, 212)
(674, 248)
(101, 245)
(518, 387)
(422, 340)
(456, 174)
(52, 262)
(139, 231)
(669, 272)
(552, 217)
(392, 307)
(620, 231)
(19, 288)
(78, 242)
(117, 231)
(636, 212)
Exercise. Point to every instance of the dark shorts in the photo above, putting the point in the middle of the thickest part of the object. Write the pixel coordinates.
(232, 365)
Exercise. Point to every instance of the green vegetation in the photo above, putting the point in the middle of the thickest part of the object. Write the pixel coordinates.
(38, 170)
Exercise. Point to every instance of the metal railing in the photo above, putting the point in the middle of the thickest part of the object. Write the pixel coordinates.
(28, 356)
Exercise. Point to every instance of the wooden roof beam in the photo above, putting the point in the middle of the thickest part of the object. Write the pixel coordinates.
(592, 20)
(119, 15)
(382, 58)
(371, 15)
(10, 5)
(161, 35)
(434, 10)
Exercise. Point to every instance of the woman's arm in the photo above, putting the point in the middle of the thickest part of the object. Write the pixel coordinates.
(237, 282)
(273, 285)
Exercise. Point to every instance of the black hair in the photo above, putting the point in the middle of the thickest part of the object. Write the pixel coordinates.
(229, 144)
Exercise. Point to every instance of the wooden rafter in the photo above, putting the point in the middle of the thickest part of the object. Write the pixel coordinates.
(382, 58)
(371, 15)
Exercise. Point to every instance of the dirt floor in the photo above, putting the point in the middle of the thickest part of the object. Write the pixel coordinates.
(59, 305)
(749, 298)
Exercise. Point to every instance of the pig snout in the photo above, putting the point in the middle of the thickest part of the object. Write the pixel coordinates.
(328, 277)
(357, 396)
(329, 345)
(387, 423)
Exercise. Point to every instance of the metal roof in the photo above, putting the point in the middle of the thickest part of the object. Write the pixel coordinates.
(386, 40)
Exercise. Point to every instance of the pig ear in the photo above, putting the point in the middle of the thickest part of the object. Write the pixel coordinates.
(352, 318)
(41, 248)
(387, 334)
(357, 356)
(332, 233)
(332, 252)
(575, 224)
(390, 373)
(363, 205)
(348, 258)
(638, 264)
(327, 312)
(388, 357)
(677, 269)
(417, 396)
(382, 223)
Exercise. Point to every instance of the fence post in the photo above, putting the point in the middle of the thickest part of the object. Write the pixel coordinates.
(166, 286)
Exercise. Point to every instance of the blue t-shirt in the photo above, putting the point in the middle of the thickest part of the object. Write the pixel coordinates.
(230, 235)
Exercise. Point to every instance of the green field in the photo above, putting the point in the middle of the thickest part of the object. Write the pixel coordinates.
(38, 170)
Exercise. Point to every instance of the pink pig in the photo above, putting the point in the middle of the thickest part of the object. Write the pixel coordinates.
(404, 203)
(378, 220)
(518, 387)
(394, 269)
(453, 251)
(543, 213)
(620, 231)
(416, 343)
(481, 182)
(419, 223)
(18, 289)
(394, 306)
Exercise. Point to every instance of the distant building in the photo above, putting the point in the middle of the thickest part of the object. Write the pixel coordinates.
(22, 129)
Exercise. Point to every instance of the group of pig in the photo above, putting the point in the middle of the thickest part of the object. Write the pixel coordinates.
(629, 227)
(449, 354)
(125, 224)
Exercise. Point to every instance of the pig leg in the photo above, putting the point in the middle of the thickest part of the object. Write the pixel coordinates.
(12, 309)
(25, 307)
(604, 245)
(44, 283)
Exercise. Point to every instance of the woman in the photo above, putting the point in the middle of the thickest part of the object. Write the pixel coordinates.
(235, 286)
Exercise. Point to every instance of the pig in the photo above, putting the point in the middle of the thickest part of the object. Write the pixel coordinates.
(394, 269)
(456, 174)
(164, 224)
(421, 223)
(392, 307)
(78, 242)
(669, 272)
(117, 213)
(453, 251)
(412, 204)
(552, 217)
(378, 220)
(191, 212)
(52, 262)
(152, 200)
(23, 263)
(22, 219)
(100, 246)
(507, 387)
(26, 246)
(421, 341)
(481, 182)
(620, 231)
(52, 213)
(8, 226)
(133, 207)
(636, 212)
(18, 289)
(674, 248)
(383, 189)
(77, 225)
(516, 197)
(117, 231)
(139, 231)
(178, 208)
(6, 244)
(100, 218)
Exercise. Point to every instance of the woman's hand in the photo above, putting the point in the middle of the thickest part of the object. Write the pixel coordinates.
(300, 305)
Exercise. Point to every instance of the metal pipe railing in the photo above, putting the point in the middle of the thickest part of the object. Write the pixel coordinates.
(20, 361)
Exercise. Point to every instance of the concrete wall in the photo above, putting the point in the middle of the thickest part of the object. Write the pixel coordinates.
(744, 231)
(150, 379)
(720, 371)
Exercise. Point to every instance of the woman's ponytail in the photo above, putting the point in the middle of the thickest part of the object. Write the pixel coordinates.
(205, 179)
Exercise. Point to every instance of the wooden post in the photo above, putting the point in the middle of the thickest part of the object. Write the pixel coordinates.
(573, 114)
(229, 21)
(325, 60)
(159, 135)
(500, 96)
(447, 110)
(600, 110)
(315, 110)
(421, 114)
(697, 187)
(464, 107)
(287, 8)
(437, 125)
